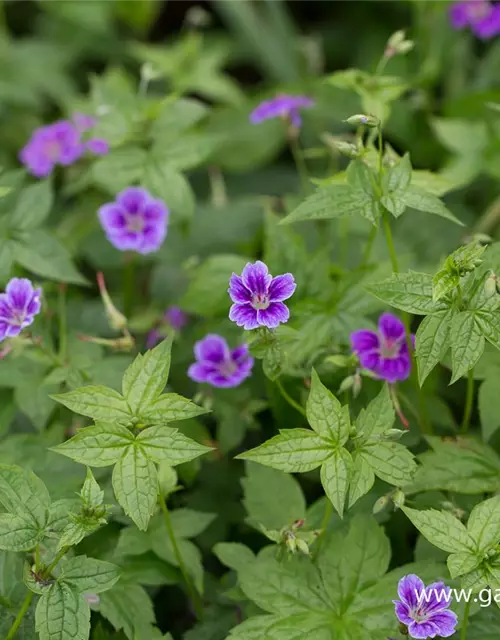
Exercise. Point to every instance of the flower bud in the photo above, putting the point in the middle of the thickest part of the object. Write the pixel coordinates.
(346, 384)
(360, 118)
(397, 44)
(303, 547)
(380, 505)
(356, 385)
(346, 148)
(399, 499)
(491, 285)
(394, 434)
(116, 319)
(92, 598)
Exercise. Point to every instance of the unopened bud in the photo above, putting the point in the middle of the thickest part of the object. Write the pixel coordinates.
(291, 542)
(303, 547)
(380, 505)
(346, 384)
(356, 385)
(358, 119)
(116, 319)
(124, 343)
(148, 72)
(394, 434)
(491, 285)
(92, 598)
(346, 148)
(399, 499)
(397, 44)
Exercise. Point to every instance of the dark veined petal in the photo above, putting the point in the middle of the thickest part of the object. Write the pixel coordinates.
(212, 349)
(237, 290)
(364, 340)
(244, 315)
(275, 314)
(391, 327)
(256, 278)
(282, 287)
(408, 588)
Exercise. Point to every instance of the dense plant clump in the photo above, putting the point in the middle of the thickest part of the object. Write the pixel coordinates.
(249, 335)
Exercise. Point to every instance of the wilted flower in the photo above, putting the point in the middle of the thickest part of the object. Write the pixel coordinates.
(384, 352)
(18, 307)
(428, 617)
(258, 297)
(283, 106)
(219, 366)
(481, 16)
(60, 143)
(135, 221)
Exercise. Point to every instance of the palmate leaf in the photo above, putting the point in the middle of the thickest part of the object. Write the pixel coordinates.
(325, 414)
(432, 341)
(62, 613)
(411, 292)
(98, 446)
(467, 343)
(442, 529)
(343, 595)
(335, 474)
(99, 403)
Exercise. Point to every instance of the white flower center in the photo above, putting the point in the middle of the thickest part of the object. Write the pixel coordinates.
(389, 348)
(260, 301)
(135, 223)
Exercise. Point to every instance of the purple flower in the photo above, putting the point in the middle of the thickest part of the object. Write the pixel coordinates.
(57, 143)
(217, 365)
(18, 307)
(176, 317)
(424, 610)
(283, 106)
(258, 297)
(135, 221)
(481, 16)
(60, 143)
(384, 352)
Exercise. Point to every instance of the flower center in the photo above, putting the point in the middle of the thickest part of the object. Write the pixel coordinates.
(478, 10)
(17, 319)
(260, 301)
(227, 368)
(419, 616)
(52, 149)
(135, 224)
(389, 348)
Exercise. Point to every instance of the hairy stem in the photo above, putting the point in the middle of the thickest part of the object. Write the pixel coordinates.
(62, 322)
(128, 284)
(289, 398)
(468, 402)
(299, 161)
(48, 570)
(368, 248)
(324, 527)
(19, 618)
(390, 242)
(465, 621)
(193, 593)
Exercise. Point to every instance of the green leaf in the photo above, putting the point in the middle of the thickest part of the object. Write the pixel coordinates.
(119, 169)
(462, 563)
(444, 283)
(98, 446)
(33, 206)
(391, 462)
(394, 184)
(170, 445)
(206, 294)
(127, 606)
(165, 182)
(234, 555)
(489, 323)
(91, 493)
(38, 251)
(335, 474)
(489, 407)
(325, 414)
(484, 524)
(61, 613)
(89, 575)
(467, 343)
(419, 199)
(146, 377)
(361, 478)
(99, 403)
(294, 450)
(271, 498)
(169, 407)
(23, 494)
(441, 529)
(18, 533)
(378, 417)
(432, 341)
(135, 483)
(411, 292)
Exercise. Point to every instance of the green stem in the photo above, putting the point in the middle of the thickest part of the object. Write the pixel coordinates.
(390, 242)
(62, 322)
(465, 621)
(128, 284)
(468, 402)
(48, 570)
(37, 558)
(299, 161)
(368, 248)
(289, 399)
(19, 618)
(193, 594)
(324, 527)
